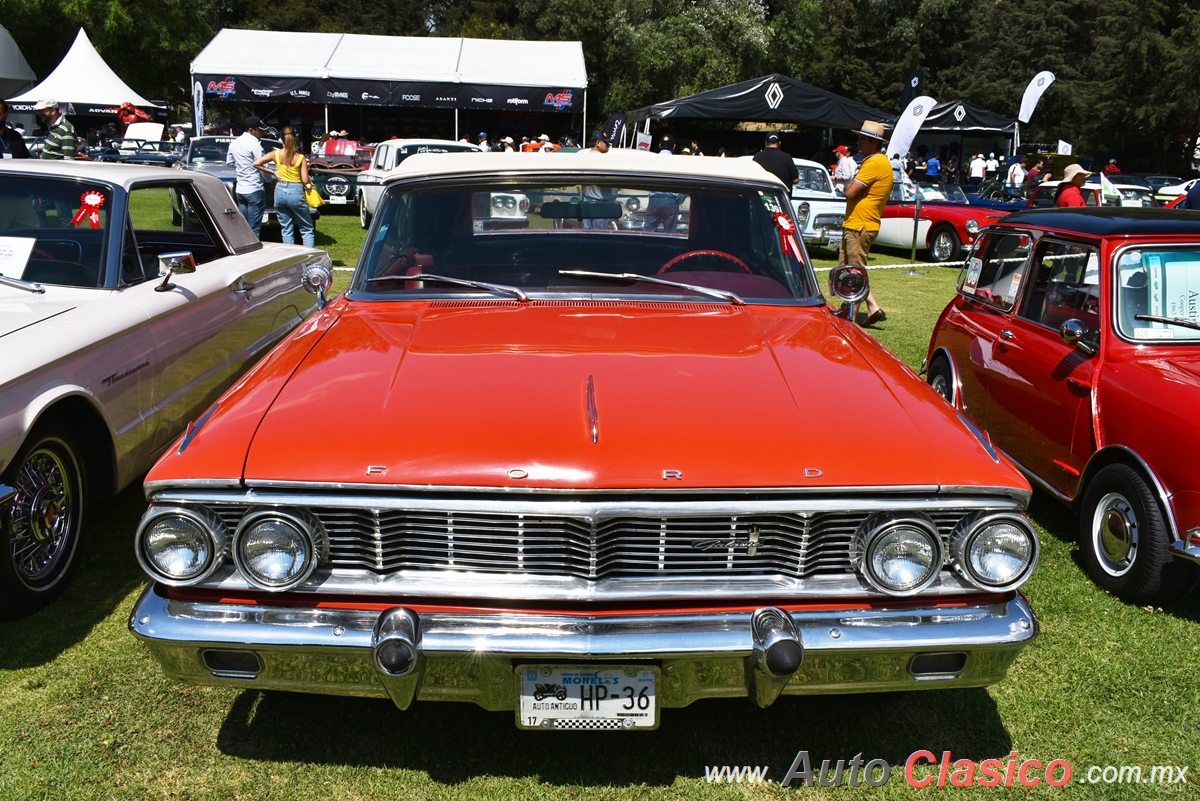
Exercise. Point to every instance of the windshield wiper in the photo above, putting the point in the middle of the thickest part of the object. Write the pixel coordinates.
(504, 288)
(1154, 318)
(703, 290)
(18, 283)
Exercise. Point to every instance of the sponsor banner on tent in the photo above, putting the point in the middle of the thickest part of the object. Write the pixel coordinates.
(360, 92)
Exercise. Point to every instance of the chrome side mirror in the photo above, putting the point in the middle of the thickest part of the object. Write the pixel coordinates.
(179, 263)
(317, 278)
(1074, 333)
(849, 283)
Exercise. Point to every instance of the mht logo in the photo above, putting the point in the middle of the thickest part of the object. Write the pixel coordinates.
(222, 89)
(559, 101)
(261, 92)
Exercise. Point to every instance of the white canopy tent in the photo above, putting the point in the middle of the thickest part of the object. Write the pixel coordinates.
(15, 73)
(415, 71)
(84, 80)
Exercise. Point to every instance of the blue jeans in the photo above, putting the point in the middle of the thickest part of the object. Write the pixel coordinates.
(252, 207)
(292, 209)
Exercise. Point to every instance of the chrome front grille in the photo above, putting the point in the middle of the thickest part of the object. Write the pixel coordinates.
(622, 546)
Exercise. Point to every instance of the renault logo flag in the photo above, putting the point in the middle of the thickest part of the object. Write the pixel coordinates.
(912, 87)
(908, 125)
(1033, 93)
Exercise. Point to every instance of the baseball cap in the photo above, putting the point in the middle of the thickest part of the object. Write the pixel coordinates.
(508, 140)
(252, 122)
(772, 138)
(842, 149)
(45, 103)
(483, 134)
(543, 138)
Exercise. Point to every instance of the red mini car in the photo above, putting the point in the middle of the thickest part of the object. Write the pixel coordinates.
(1074, 341)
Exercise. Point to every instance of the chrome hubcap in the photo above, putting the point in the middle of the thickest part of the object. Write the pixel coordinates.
(941, 386)
(943, 247)
(43, 514)
(1115, 531)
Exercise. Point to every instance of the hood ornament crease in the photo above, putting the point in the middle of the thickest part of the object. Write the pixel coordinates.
(593, 414)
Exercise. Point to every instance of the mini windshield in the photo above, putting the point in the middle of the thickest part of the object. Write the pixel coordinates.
(53, 231)
(1158, 294)
(537, 237)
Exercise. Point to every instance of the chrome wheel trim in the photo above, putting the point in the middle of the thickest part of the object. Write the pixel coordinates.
(44, 515)
(363, 218)
(941, 385)
(1115, 531)
(943, 246)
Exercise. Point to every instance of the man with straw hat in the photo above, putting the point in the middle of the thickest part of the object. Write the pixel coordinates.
(866, 195)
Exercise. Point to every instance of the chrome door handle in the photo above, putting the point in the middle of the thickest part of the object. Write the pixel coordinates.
(244, 286)
(1006, 334)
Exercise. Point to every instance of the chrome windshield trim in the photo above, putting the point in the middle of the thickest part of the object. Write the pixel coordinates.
(651, 279)
(582, 507)
(506, 587)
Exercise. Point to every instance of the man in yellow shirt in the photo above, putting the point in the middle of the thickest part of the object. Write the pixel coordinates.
(866, 195)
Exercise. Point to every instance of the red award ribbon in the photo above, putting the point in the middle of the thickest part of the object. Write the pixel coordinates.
(91, 202)
(786, 229)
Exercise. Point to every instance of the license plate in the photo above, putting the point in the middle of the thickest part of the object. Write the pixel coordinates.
(337, 200)
(574, 697)
(835, 239)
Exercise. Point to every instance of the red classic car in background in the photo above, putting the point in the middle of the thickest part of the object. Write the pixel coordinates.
(581, 455)
(1074, 341)
(947, 221)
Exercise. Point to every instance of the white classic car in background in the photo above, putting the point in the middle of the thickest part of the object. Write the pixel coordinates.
(117, 328)
(820, 210)
(387, 156)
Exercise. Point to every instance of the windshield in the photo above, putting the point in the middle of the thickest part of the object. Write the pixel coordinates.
(1162, 283)
(52, 231)
(523, 235)
(1133, 196)
(813, 179)
(205, 150)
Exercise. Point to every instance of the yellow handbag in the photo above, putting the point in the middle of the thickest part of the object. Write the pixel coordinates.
(312, 197)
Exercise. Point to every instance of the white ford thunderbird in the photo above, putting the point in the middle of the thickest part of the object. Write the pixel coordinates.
(117, 328)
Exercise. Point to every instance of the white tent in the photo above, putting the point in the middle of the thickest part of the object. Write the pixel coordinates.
(15, 73)
(83, 79)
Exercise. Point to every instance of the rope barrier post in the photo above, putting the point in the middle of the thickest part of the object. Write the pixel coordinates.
(912, 257)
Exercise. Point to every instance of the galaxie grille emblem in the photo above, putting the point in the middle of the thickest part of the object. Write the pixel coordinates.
(750, 543)
(376, 469)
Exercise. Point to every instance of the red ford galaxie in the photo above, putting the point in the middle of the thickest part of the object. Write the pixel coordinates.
(588, 464)
(1074, 341)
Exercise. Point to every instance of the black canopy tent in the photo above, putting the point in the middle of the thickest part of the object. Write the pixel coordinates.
(958, 121)
(771, 98)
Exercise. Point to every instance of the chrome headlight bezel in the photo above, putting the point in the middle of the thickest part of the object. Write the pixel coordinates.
(972, 227)
(311, 535)
(967, 535)
(210, 525)
(877, 530)
(803, 210)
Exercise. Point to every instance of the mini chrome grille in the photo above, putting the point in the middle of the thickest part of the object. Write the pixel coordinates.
(794, 545)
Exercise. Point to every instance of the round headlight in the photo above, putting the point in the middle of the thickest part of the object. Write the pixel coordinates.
(278, 550)
(972, 227)
(510, 202)
(633, 204)
(179, 546)
(902, 556)
(996, 552)
(497, 202)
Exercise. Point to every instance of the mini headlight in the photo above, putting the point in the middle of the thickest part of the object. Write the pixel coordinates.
(972, 227)
(996, 552)
(901, 556)
(180, 546)
(278, 550)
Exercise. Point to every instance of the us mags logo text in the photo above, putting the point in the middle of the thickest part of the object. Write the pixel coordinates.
(559, 101)
(223, 89)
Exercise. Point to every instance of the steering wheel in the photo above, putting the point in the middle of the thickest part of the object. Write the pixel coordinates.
(691, 254)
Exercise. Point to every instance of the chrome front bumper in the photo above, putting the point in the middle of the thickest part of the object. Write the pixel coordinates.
(471, 655)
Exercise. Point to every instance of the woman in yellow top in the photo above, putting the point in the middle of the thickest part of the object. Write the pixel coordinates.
(291, 172)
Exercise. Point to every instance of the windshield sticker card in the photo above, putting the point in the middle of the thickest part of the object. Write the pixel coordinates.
(974, 268)
(14, 254)
(1174, 288)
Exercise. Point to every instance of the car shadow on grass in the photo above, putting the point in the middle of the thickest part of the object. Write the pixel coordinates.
(106, 573)
(454, 743)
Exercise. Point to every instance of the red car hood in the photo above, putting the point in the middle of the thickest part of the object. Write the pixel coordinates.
(496, 394)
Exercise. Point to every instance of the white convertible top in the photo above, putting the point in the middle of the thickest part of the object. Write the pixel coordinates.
(632, 162)
(119, 174)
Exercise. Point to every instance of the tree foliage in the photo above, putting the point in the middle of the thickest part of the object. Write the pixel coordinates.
(1127, 84)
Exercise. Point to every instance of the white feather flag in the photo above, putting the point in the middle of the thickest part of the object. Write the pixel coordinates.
(908, 125)
(1033, 93)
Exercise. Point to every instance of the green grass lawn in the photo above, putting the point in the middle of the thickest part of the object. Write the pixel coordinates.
(85, 713)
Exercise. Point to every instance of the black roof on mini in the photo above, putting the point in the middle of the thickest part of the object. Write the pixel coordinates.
(1110, 221)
